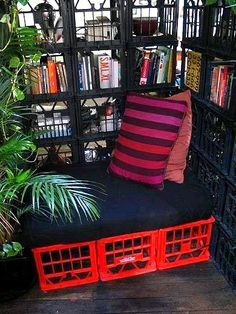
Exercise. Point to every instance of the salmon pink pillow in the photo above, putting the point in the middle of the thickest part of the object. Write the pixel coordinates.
(149, 129)
(177, 158)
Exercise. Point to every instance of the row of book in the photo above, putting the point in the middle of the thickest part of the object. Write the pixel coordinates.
(47, 78)
(98, 71)
(55, 126)
(154, 66)
(221, 83)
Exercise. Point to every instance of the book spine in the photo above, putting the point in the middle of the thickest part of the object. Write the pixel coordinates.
(115, 73)
(166, 65)
(45, 79)
(64, 74)
(231, 79)
(151, 70)
(33, 76)
(85, 72)
(214, 79)
(90, 81)
(52, 77)
(170, 67)
(145, 68)
(40, 80)
(80, 76)
(104, 71)
(59, 77)
(160, 73)
(223, 84)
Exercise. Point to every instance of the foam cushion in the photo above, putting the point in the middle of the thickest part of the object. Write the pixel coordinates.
(177, 158)
(149, 129)
(128, 207)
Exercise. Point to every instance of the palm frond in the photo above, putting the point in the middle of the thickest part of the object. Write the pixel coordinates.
(64, 195)
(16, 148)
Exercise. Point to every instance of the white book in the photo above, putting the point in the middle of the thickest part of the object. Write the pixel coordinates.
(115, 73)
(160, 73)
(90, 80)
(104, 69)
(85, 74)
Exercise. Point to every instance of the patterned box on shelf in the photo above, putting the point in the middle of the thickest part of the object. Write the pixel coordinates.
(216, 140)
(184, 244)
(66, 265)
(223, 250)
(126, 255)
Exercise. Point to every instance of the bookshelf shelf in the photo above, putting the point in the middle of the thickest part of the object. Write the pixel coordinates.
(209, 53)
(80, 33)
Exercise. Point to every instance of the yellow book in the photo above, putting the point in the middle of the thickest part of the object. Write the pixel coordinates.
(170, 67)
(193, 72)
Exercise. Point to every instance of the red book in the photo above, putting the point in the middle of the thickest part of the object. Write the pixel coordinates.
(145, 68)
(52, 76)
(223, 85)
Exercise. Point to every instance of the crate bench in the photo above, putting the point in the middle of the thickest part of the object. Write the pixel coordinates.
(130, 238)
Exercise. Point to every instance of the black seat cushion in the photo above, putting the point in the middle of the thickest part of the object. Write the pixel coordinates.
(128, 207)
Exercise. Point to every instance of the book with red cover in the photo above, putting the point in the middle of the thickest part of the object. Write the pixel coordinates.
(52, 77)
(223, 85)
(145, 68)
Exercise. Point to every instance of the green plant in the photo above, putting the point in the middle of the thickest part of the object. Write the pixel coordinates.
(22, 189)
(231, 4)
(10, 249)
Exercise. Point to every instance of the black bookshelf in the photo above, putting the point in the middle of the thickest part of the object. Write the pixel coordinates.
(209, 32)
(80, 122)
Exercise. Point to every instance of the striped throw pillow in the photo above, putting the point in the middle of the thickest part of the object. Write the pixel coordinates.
(148, 132)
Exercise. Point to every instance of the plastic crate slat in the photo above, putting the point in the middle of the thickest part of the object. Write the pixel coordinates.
(180, 252)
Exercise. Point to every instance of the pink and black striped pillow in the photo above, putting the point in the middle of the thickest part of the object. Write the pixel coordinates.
(148, 132)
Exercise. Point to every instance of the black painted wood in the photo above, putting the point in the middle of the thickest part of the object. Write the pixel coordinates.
(191, 289)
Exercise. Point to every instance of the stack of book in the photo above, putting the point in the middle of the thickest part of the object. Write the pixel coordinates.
(47, 77)
(221, 83)
(154, 66)
(98, 71)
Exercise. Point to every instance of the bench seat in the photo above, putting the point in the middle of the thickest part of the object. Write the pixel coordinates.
(128, 207)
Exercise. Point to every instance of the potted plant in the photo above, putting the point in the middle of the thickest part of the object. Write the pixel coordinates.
(22, 188)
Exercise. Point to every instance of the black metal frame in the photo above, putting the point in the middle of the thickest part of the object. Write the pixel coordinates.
(87, 30)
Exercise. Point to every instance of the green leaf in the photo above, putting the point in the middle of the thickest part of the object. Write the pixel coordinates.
(210, 2)
(2, 254)
(36, 57)
(14, 62)
(5, 18)
(6, 247)
(17, 247)
(19, 94)
(23, 176)
(232, 4)
(23, 2)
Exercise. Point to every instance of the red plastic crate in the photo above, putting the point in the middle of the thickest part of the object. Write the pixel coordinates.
(184, 244)
(126, 255)
(66, 265)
